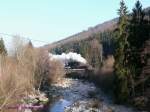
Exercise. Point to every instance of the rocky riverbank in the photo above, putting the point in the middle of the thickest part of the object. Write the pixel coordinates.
(74, 95)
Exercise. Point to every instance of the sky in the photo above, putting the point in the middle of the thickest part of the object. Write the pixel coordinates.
(53, 20)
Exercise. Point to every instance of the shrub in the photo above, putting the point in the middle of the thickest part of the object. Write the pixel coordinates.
(25, 72)
(16, 80)
(56, 70)
(42, 68)
(17, 75)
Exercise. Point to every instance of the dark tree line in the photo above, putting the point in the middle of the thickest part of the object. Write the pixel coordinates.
(132, 33)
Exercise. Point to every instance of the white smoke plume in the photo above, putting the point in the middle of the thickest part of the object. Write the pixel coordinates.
(65, 58)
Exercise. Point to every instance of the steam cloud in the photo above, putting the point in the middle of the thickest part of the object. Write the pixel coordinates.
(65, 58)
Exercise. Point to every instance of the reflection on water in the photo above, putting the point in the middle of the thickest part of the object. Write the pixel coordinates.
(59, 106)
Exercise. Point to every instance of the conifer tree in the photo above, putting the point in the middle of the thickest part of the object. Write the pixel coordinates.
(138, 33)
(121, 71)
(137, 36)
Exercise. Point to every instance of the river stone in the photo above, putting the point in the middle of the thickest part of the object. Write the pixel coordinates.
(88, 106)
(82, 95)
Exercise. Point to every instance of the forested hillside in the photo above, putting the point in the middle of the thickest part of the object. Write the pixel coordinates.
(127, 39)
(106, 26)
(93, 49)
(101, 36)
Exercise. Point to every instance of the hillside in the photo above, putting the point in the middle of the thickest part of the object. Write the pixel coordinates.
(108, 25)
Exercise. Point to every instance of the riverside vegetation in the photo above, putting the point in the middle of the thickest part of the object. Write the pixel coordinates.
(23, 73)
(129, 43)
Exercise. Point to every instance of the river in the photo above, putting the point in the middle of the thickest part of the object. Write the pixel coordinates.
(75, 95)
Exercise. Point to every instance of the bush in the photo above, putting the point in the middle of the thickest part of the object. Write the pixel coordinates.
(42, 70)
(17, 77)
(47, 70)
(56, 70)
(25, 72)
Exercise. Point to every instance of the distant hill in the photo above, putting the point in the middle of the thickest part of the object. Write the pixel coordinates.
(108, 25)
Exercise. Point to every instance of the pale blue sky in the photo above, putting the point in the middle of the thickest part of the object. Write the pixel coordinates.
(52, 20)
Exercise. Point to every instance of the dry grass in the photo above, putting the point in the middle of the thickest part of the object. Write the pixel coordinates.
(56, 70)
(25, 72)
(17, 77)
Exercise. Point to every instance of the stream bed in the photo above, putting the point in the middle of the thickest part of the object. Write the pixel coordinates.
(75, 95)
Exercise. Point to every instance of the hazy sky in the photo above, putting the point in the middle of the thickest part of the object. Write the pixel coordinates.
(52, 20)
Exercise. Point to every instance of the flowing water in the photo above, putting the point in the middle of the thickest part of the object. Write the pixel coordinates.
(74, 95)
